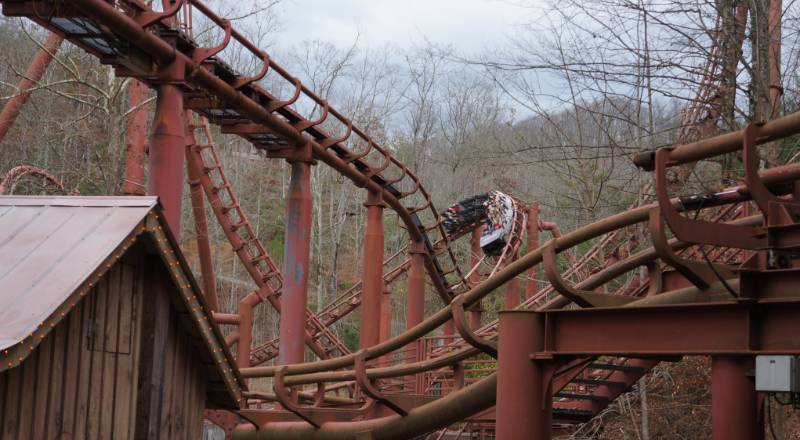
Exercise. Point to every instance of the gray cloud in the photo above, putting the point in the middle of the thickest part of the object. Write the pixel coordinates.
(466, 25)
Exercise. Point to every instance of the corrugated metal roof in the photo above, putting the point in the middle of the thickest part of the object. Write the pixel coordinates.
(49, 246)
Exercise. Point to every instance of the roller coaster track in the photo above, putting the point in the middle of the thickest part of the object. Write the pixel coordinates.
(349, 301)
(11, 179)
(587, 386)
(245, 242)
(135, 40)
(584, 379)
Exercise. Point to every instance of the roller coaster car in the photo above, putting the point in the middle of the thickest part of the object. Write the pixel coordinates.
(465, 213)
(499, 222)
(493, 241)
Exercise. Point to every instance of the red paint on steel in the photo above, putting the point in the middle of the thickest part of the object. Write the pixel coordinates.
(136, 144)
(246, 306)
(476, 311)
(32, 77)
(9, 181)
(277, 115)
(297, 245)
(734, 410)
(415, 301)
(167, 153)
(372, 274)
(250, 250)
(531, 287)
(511, 294)
(386, 313)
(524, 387)
(774, 31)
(728, 320)
(200, 221)
(448, 331)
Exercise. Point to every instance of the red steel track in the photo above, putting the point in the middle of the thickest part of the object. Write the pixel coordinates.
(562, 356)
(10, 180)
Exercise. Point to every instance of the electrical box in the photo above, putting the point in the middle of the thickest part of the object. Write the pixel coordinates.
(777, 374)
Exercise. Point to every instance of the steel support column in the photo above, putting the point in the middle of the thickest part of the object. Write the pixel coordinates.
(531, 286)
(372, 274)
(415, 308)
(32, 76)
(734, 407)
(524, 385)
(200, 221)
(167, 154)
(774, 28)
(415, 300)
(511, 294)
(297, 246)
(448, 331)
(386, 317)
(136, 140)
(476, 311)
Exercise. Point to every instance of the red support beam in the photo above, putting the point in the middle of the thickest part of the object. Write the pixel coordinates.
(136, 144)
(200, 220)
(511, 294)
(246, 306)
(415, 309)
(448, 330)
(415, 301)
(774, 29)
(736, 328)
(297, 242)
(167, 154)
(476, 311)
(386, 316)
(734, 408)
(531, 287)
(372, 275)
(524, 386)
(32, 77)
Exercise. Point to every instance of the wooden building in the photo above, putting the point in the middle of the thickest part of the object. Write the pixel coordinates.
(104, 333)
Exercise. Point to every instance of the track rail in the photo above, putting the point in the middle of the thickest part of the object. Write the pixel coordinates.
(246, 244)
(139, 43)
(127, 35)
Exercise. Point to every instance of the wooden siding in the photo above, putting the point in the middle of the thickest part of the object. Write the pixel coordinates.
(83, 380)
(172, 376)
(184, 386)
(79, 382)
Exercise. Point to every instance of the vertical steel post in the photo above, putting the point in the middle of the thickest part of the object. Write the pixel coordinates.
(511, 294)
(524, 386)
(415, 300)
(136, 141)
(532, 287)
(193, 172)
(372, 275)
(386, 313)
(167, 142)
(167, 153)
(734, 408)
(448, 331)
(415, 306)
(32, 76)
(775, 87)
(246, 306)
(386, 318)
(476, 311)
(297, 247)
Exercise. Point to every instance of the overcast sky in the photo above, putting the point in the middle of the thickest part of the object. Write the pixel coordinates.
(466, 25)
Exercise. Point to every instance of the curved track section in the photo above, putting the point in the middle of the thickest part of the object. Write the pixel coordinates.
(140, 43)
(10, 180)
